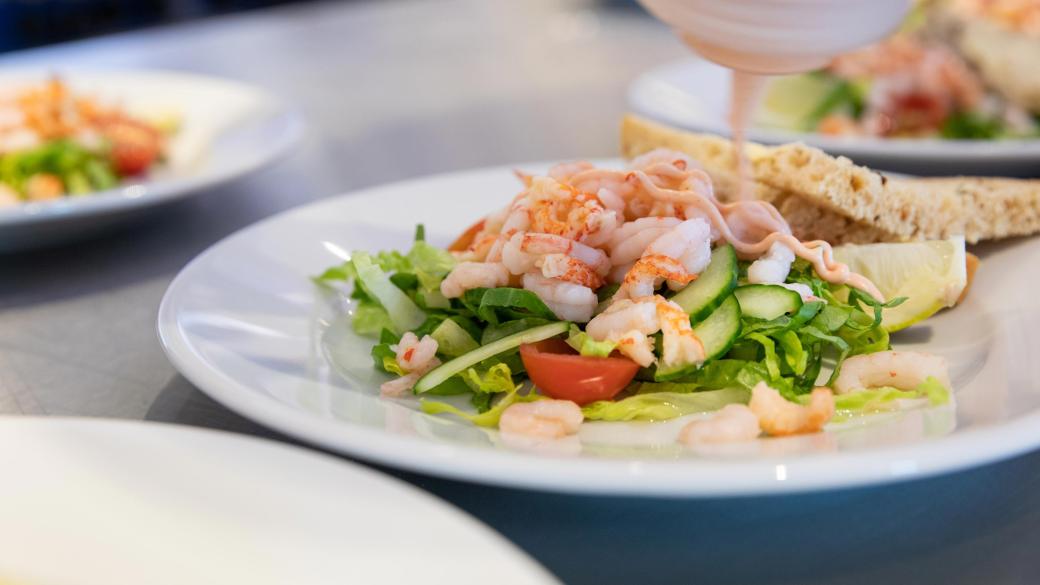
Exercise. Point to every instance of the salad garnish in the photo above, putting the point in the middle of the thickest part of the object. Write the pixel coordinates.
(635, 294)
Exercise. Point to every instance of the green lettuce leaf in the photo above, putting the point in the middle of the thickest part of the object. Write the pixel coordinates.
(664, 405)
(587, 346)
(497, 379)
(370, 319)
(506, 303)
(884, 398)
(404, 314)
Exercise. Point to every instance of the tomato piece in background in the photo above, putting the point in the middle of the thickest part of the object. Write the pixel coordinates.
(559, 372)
(134, 146)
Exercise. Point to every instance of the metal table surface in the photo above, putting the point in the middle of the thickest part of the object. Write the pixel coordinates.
(400, 89)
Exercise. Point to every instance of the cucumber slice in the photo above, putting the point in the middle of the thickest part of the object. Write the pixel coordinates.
(718, 280)
(718, 333)
(767, 301)
(468, 360)
(452, 340)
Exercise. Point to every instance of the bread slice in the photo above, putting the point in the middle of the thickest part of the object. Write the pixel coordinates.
(833, 199)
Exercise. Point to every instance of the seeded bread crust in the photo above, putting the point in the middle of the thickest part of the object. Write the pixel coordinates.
(833, 199)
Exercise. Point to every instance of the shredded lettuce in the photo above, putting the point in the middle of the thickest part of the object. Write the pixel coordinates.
(587, 346)
(391, 366)
(496, 305)
(664, 405)
(404, 314)
(370, 318)
(884, 398)
(497, 381)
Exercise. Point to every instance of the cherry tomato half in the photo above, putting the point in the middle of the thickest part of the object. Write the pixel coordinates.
(558, 371)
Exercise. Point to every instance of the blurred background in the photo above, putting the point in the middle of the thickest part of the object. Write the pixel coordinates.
(30, 23)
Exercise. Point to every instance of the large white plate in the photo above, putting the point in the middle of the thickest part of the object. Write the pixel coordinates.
(244, 323)
(695, 94)
(88, 502)
(228, 129)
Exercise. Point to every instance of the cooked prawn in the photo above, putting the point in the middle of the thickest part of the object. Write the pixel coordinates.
(649, 272)
(416, 357)
(680, 345)
(569, 302)
(733, 423)
(777, 416)
(562, 172)
(467, 275)
(773, 267)
(900, 369)
(625, 315)
(548, 419)
(689, 243)
(636, 346)
(523, 250)
(632, 239)
(569, 269)
(413, 353)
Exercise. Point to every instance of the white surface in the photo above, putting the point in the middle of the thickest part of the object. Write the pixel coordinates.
(244, 324)
(88, 502)
(694, 94)
(228, 129)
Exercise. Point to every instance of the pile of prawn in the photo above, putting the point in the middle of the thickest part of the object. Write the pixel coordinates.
(580, 228)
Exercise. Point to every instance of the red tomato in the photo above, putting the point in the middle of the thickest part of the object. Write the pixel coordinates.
(558, 371)
(135, 146)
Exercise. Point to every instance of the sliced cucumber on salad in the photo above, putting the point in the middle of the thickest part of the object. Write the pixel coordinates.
(718, 333)
(712, 287)
(767, 301)
(460, 364)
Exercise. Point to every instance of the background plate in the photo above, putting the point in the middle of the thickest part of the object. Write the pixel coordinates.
(92, 502)
(245, 324)
(694, 94)
(228, 129)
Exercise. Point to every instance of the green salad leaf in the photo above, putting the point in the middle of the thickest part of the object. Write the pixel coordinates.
(664, 405)
(587, 346)
(884, 398)
(496, 381)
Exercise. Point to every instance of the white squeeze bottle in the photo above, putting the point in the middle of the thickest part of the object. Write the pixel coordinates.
(772, 37)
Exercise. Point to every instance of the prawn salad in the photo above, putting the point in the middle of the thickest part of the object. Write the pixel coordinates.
(55, 143)
(632, 295)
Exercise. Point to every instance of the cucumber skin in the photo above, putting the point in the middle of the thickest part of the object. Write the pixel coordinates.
(729, 305)
(750, 291)
(431, 379)
(726, 254)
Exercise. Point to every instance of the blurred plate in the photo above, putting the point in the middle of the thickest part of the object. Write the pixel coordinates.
(94, 502)
(695, 94)
(228, 129)
(244, 323)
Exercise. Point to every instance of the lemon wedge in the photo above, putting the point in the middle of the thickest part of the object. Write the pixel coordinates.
(932, 275)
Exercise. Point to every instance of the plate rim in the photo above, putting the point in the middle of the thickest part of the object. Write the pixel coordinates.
(772, 475)
(152, 193)
(906, 149)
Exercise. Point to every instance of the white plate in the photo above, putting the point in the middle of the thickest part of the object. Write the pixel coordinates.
(88, 502)
(695, 94)
(228, 129)
(243, 323)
